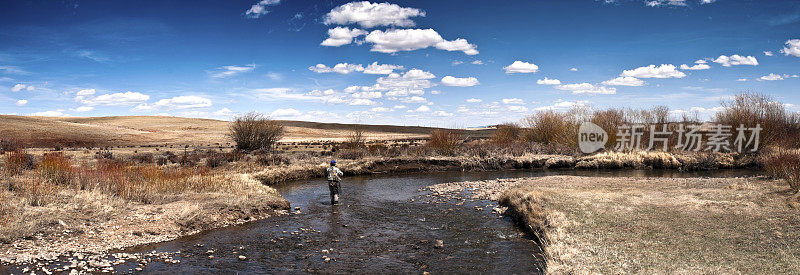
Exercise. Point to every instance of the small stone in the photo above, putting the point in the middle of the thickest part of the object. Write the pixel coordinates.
(211, 256)
(242, 257)
(439, 244)
(210, 251)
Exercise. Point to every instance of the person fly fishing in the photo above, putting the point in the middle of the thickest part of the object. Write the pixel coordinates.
(334, 176)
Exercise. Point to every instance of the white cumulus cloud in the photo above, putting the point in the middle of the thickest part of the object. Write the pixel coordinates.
(459, 82)
(521, 67)
(370, 15)
(547, 81)
(227, 71)
(653, 71)
(18, 87)
(624, 81)
(178, 102)
(792, 47)
(21, 102)
(695, 67)
(289, 112)
(115, 99)
(394, 40)
(341, 68)
(342, 36)
(376, 68)
(260, 8)
(474, 100)
(586, 88)
(736, 59)
(516, 101)
(771, 77)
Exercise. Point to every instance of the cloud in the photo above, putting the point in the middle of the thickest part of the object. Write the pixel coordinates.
(223, 112)
(771, 77)
(369, 15)
(342, 36)
(741, 79)
(275, 76)
(586, 88)
(285, 113)
(92, 55)
(284, 94)
(460, 82)
(442, 114)
(178, 102)
(547, 81)
(768, 53)
(436, 92)
(563, 105)
(376, 68)
(574, 69)
(793, 47)
(414, 99)
(367, 95)
(84, 109)
(227, 71)
(362, 102)
(341, 68)
(421, 109)
(474, 100)
(663, 71)
(380, 109)
(624, 81)
(736, 59)
(521, 67)
(656, 3)
(115, 99)
(18, 87)
(49, 113)
(13, 70)
(515, 101)
(695, 67)
(21, 102)
(477, 62)
(519, 109)
(394, 40)
(260, 8)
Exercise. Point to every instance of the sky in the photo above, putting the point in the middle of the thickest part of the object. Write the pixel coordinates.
(439, 63)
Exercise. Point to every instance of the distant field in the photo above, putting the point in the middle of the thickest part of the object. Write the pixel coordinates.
(161, 130)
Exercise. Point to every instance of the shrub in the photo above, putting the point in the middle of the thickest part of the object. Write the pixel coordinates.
(783, 164)
(214, 160)
(253, 131)
(780, 127)
(351, 153)
(444, 142)
(551, 127)
(610, 120)
(143, 158)
(18, 161)
(355, 139)
(506, 134)
(55, 168)
(272, 159)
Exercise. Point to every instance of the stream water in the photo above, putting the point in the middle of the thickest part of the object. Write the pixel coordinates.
(377, 229)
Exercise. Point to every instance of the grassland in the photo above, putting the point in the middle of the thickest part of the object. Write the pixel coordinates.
(653, 225)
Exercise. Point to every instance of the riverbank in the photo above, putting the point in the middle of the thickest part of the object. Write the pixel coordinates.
(652, 225)
(79, 223)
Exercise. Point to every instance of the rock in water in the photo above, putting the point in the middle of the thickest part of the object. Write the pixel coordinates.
(439, 244)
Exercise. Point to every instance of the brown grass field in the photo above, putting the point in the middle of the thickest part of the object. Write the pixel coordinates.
(160, 130)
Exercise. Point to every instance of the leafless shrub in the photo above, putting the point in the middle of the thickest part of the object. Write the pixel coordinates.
(506, 134)
(254, 131)
(355, 139)
(784, 164)
(780, 127)
(444, 142)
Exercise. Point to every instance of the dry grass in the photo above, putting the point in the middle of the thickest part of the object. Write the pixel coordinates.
(649, 225)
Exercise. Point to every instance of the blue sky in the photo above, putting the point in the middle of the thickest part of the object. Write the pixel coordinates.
(434, 63)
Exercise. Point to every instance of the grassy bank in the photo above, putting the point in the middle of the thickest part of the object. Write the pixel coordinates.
(54, 204)
(650, 225)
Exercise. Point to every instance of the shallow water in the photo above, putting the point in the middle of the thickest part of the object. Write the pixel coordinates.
(377, 229)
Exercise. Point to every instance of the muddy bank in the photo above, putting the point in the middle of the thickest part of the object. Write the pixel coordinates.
(651, 225)
(81, 226)
(315, 168)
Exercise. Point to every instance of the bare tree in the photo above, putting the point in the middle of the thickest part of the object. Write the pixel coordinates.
(254, 131)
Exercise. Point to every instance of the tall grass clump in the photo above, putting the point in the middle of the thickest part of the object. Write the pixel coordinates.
(18, 161)
(254, 131)
(444, 142)
(779, 126)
